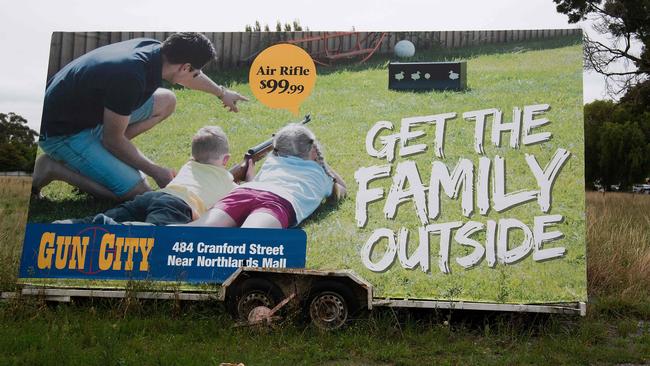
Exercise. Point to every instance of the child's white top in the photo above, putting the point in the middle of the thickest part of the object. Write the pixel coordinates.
(200, 185)
(303, 183)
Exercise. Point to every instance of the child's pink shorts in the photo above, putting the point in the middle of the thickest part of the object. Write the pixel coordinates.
(242, 202)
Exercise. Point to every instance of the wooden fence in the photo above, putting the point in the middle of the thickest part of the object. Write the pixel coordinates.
(237, 48)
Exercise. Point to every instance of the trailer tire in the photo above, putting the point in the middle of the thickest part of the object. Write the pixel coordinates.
(251, 293)
(331, 305)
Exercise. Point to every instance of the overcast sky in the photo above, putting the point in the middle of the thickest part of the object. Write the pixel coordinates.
(26, 28)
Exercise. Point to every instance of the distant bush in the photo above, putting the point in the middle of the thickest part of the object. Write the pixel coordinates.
(17, 144)
(279, 27)
(617, 143)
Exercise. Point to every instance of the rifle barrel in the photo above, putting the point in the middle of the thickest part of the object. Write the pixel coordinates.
(255, 149)
(264, 145)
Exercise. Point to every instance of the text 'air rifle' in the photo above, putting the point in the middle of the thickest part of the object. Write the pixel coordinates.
(255, 154)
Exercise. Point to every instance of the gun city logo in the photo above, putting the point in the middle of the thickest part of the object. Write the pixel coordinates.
(94, 250)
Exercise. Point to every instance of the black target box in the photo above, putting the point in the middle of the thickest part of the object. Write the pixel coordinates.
(422, 76)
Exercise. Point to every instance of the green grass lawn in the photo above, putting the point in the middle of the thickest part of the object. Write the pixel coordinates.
(347, 101)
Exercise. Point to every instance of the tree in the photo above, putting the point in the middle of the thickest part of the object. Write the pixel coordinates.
(596, 114)
(624, 154)
(638, 97)
(617, 143)
(626, 21)
(279, 27)
(617, 135)
(17, 144)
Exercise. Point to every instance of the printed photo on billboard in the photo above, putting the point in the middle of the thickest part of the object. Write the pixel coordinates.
(442, 165)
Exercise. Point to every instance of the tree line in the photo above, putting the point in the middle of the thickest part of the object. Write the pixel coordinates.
(617, 134)
(617, 140)
(17, 144)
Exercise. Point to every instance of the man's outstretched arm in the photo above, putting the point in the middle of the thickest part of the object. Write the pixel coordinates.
(205, 84)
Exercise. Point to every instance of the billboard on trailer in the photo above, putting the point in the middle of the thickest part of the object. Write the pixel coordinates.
(456, 173)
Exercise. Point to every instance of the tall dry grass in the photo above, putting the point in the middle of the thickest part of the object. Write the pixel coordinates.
(14, 199)
(618, 246)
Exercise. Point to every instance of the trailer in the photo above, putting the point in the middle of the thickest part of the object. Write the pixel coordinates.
(330, 299)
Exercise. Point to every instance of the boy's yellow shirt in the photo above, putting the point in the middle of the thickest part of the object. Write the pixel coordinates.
(200, 186)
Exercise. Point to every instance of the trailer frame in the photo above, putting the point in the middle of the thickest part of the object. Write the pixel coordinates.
(291, 280)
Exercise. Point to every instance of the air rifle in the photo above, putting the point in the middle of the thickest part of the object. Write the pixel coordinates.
(255, 154)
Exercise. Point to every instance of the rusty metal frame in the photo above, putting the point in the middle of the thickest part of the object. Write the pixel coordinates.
(365, 285)
(578, 308)
(372, 41)
(67, 294)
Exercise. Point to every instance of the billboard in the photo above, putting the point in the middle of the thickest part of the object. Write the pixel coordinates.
(455, 173)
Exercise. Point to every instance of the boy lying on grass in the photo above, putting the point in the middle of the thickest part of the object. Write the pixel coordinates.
(291, 184)
(200, 183)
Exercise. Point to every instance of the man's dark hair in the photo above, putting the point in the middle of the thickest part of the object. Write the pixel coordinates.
(188, 47)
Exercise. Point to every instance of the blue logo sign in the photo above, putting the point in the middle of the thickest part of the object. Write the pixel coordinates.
(159, 253)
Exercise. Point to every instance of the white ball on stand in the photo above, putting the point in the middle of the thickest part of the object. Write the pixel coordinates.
(404, 48)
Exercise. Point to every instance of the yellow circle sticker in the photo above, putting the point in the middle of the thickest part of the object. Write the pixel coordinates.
(282, 76)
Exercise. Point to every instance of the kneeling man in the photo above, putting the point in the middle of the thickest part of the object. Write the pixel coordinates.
(97, 103)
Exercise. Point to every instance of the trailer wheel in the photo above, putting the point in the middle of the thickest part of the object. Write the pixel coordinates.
(331, 305)
(252, 293)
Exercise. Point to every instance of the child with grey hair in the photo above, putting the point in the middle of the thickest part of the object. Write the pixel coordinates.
(200, 183)
(291, 184)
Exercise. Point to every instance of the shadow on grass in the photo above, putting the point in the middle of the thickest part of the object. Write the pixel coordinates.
(427, 53)
(323, 211)
(82, 205)
(485, 322)
(78, 206)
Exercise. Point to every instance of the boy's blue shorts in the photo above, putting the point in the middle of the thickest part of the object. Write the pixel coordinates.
(85, 153)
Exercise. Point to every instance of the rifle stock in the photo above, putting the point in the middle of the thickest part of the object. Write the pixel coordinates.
(256, 153)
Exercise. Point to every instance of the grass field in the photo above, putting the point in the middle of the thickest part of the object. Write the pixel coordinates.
(346, 102)
(618, 250)
(14, 198)
(91, 335)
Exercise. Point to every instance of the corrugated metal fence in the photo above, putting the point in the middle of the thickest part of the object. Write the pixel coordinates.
(236, 48)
